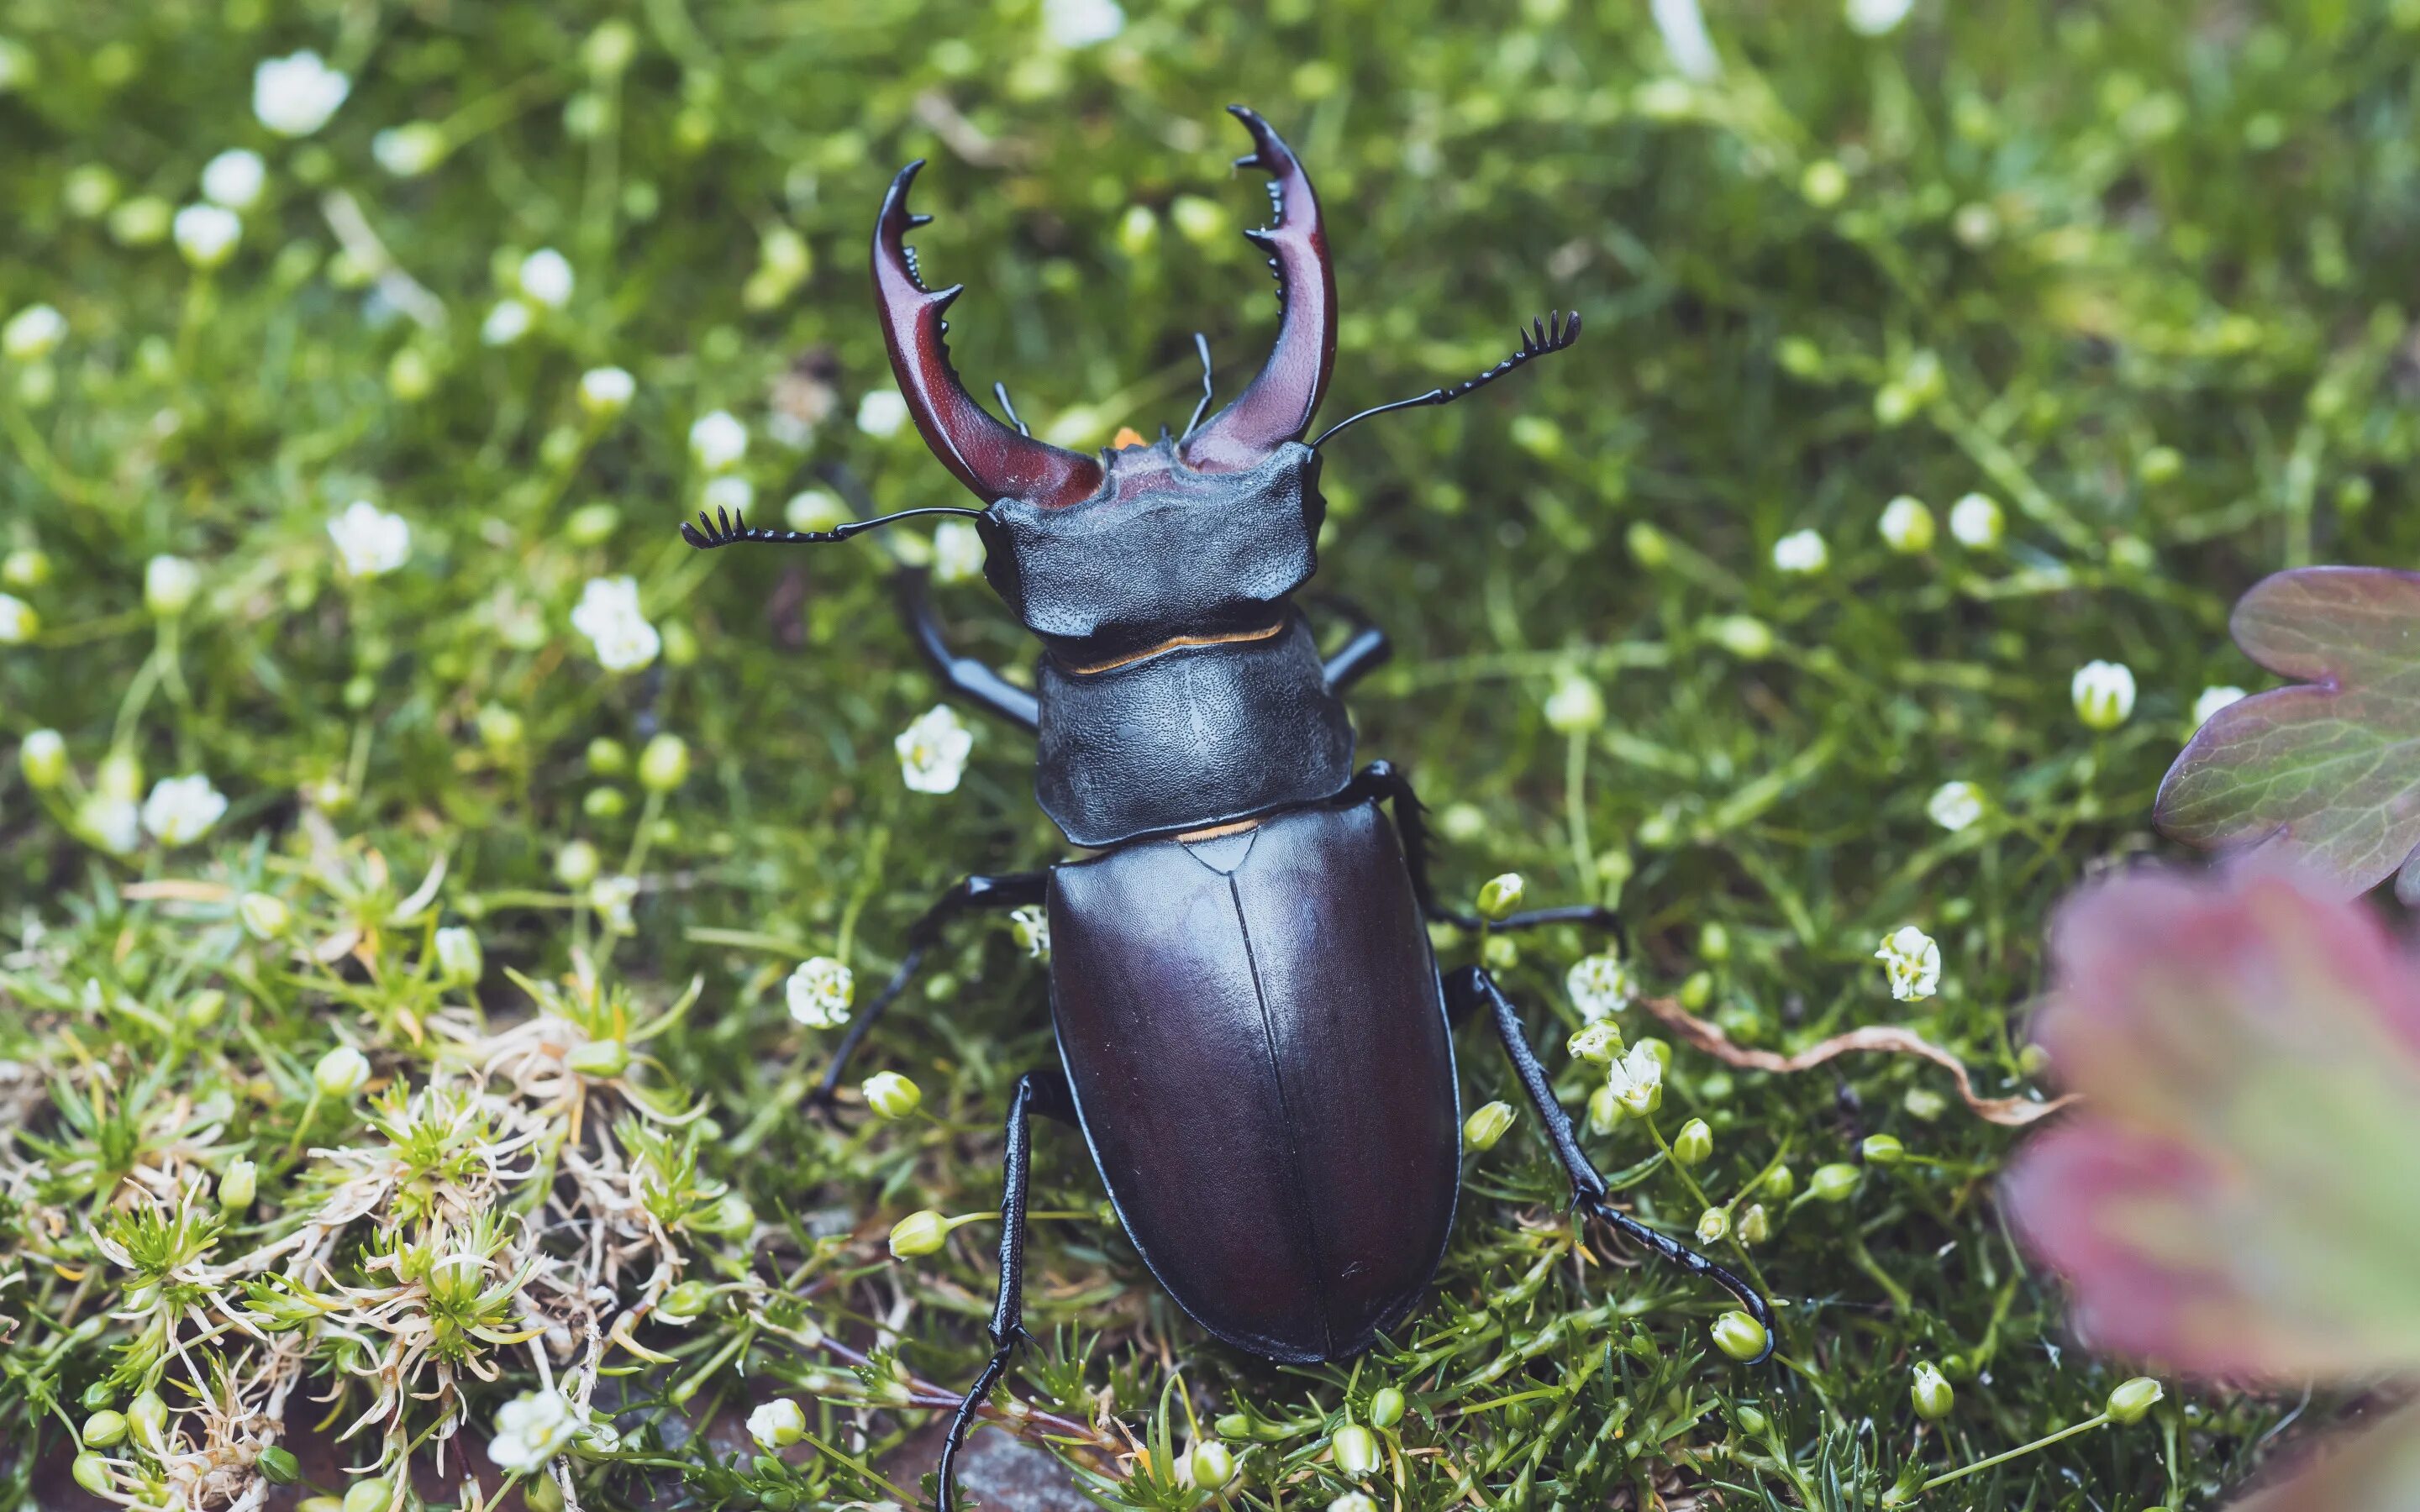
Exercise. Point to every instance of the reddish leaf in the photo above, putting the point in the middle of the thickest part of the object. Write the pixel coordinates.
(2240, 1196)
(2329, 770)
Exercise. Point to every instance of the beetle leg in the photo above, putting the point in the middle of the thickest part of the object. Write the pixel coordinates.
(1359, 656)
(1473, 986)
(1382, 781)
(979, 684)
(1013, 890)
(1038, 1091)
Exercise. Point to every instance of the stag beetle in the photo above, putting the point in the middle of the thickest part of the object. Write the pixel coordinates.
(1254, 1035)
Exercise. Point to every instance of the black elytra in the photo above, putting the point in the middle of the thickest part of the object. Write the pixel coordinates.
(1254, 1035)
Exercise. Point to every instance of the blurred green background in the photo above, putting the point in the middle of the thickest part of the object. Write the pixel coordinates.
(2134, 272)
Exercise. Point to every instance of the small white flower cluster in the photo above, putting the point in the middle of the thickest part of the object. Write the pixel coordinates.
(776, 1424)
(1802, 553)
(532, 1429)
(544, 281)
(182, 810)
(716, 440)
(207, 234)
(607, 391)
(294, 96)
(608, 614)
(933, 751)
(2103, 694)
(819, 993)
(1633, 1078)
(881, 412)
(957, 552)
(1877, 18)
(1600, 986)
(1912, 961)
(19, 623)
(1073, 24)
(33, 333)
(2212, 700)
(234, 180)
(370, 541)
(1030, 925)
(1955, 806)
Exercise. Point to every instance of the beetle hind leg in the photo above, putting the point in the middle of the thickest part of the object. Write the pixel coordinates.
(1038, 1091)
(1473, 987)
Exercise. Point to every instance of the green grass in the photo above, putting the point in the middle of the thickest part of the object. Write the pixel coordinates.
(2130, 270)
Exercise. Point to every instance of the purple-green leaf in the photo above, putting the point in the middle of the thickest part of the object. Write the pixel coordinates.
(2328, 771)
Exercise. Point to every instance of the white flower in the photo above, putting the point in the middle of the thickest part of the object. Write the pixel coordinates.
(532, 1428)
(411, 149)
(207, 234)
(1907, 525)
(235, 178)
(18, 621)
(1575, 706)
(1081, 22)
(460, 957)
(341, 1072)
(608, 614)
(546, 277)
(1914, 961)
(1637, 1080)
(1600, 985)
(606, 391)
(1954, 805)
(2212, 700)
(819, 993)
(370, 541)
(778, 1423)
(33, 333)
(957, 552)
(182, 810)
(508, 323)
(1874, 18)
(727, 493)
(1030, 925)
(2103, 693)
(295, 96)
(169, 584)
(718, 440)
(881, 412)
(933, 751)
(1975, 520)
(1683, 27)
(113, 824)
(1801, 552)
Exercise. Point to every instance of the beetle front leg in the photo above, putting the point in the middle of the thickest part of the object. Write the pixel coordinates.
(1038, 1091)
(1014, 890)
(1472, 986)
(972, 680)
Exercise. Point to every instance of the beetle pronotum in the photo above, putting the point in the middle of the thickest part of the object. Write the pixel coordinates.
(1254, 1035)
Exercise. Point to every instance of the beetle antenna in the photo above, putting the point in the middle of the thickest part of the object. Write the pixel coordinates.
(1541, 336)
(1202, 345)
(727, 529)
(1000, 391)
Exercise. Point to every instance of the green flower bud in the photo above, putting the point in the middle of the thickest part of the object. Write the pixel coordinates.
(577, 864)
(1484, 1127)
(686, 1303)
(120, 775)
(1907, 526)
(1575, 706)
(539, 1493)
(279, 1466)
(238, 1186)
(1882, 1149)
(732, 1214)
(103, 1428)
(918, 1234)
(1648, 546)
(265, 915)
(1597, 1044)
(604, 803)
(375, 1495)
(664, 764)
(1500, 895)
(147, 1416)
(891, 1095)
(1738, 1335)
(92, 1473)
(169, 584)
(341, 1072)
(2133, 1399)
(98, 1396)
(1755, 1225)
(500, 729)
(608, 757)
(43, 759)
(1781, 1183)
(203, 1009)
(1356, 1451)
(1694, 1144)
(1212, 1465)
(1931, 1393)
(602, 1058)
(1833, 1183)
(1386, 1407)
(1753, 1421)
(1712, 1225)
(1234, 1426)
(1605, 1110)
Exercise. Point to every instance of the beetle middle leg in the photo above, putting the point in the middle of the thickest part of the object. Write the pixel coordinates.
(1038, 1091)
(1016, 889)
(1472, 987)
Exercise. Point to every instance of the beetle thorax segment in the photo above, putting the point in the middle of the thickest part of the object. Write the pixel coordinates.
(1159, 551)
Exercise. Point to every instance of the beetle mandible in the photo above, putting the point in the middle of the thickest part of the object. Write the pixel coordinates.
(1254, 1035)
